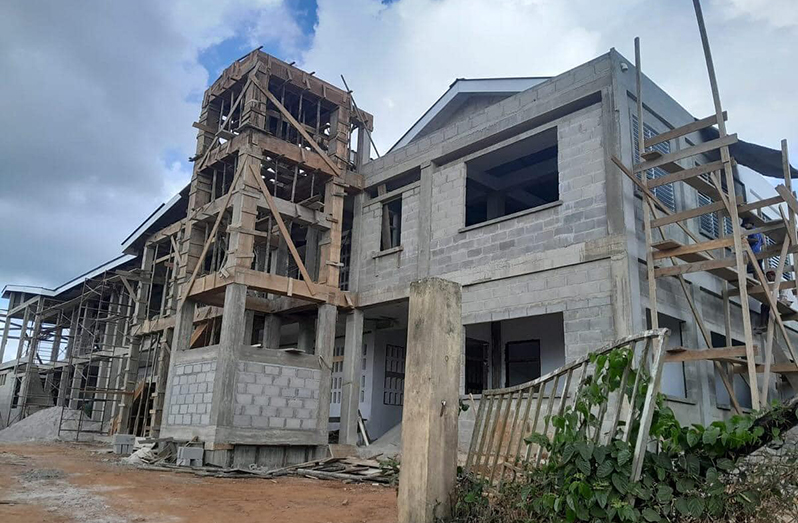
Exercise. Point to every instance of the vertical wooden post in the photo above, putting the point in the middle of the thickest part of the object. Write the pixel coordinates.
(742, 278)
(350, 388)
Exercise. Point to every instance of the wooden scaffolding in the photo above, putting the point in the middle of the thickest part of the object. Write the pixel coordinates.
(728, 257)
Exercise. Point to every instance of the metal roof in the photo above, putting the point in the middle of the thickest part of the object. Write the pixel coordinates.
(468, 86)
(43, 291)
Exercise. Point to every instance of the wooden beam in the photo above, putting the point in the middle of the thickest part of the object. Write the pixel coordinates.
(684, 174)
(212, 285)
(283, 230)
(195, 336)
(774, 307)
(227, 135)
(682, 354)
(694, 248)
(687, 152)
(298, 127)
(212, 234)
(689, 214)
(753, 206)
(690, 128)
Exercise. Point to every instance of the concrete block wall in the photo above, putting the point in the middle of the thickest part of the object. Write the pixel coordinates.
(581, 216)
(192, 393)
(270, 396)
(581, 293)
(398, 266)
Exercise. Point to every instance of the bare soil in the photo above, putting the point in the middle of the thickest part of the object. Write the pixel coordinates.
(67, 482)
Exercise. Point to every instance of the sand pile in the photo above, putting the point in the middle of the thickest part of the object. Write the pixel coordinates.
(43, 426)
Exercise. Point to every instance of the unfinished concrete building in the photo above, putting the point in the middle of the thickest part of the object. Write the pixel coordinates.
(269, 302)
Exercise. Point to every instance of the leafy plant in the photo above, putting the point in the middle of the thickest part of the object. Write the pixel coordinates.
(694, 475)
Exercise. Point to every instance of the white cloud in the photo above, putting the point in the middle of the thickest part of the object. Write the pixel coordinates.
(97, 101)
(94, 95)
(401, 57)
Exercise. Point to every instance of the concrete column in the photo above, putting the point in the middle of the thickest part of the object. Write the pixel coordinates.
(249, 317)
(350, 388)
(324, 348)
(160, 390)
(279, 261)
(363, 147)
(312, 252)
(74, 393)
(23, 332)
(63, 385)
(130, 375)
(425, 219)
(31, 369)
(59, 332)
(231, 338)
(271, 331)
(431, 405)
(307, 332)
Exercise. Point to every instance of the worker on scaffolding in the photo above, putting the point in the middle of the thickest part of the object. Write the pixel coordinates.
(756, 241)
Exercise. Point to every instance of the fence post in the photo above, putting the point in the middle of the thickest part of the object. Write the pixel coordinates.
(431, 401)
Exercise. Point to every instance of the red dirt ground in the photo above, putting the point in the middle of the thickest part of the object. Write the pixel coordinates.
(96, 487)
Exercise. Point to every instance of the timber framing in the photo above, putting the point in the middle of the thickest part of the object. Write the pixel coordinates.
(736, 262)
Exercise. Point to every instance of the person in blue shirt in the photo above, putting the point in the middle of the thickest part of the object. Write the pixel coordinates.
(755, 240)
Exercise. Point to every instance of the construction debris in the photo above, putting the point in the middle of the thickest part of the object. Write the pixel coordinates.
(352, 470)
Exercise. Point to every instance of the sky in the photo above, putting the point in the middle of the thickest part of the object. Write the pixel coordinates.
(97, 98)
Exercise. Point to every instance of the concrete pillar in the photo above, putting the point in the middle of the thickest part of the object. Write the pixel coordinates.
(31, 369)
(324, 347)
(63, 385)
(74, 393)
(23, 332)
(231, 337)
(307, 332)
(160, 389)
(350, 388)
(249, 317)
(59, 332)
(271, 331)
(431, 403)
(363, 147)
(312, 252)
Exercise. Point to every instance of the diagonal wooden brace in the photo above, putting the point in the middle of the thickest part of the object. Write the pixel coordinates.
(288, 116)
(283, 230)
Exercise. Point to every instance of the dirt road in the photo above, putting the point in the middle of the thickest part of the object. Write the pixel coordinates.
(61, 483)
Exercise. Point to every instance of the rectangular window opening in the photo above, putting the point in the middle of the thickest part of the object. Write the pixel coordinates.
(520, 176)
(391, 224)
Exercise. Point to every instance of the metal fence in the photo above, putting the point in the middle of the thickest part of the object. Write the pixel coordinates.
(506, 417)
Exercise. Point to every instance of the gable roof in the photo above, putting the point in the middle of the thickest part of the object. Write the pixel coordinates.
(458, 93)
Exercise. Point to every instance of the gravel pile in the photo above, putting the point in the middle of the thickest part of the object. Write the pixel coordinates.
(43, 426)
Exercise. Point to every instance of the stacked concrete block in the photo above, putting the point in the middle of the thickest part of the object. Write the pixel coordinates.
(192, 393)
(189, 456)
(123, 443)
(397, 267)
(270, 396)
